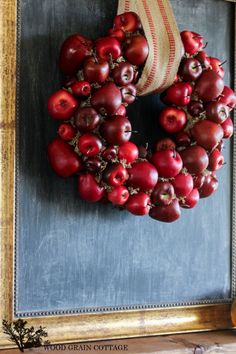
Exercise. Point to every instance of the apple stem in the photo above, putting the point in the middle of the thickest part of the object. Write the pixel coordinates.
(132, 131)
(223, 63)
(205, 45)
(194, 67)
(95, 57)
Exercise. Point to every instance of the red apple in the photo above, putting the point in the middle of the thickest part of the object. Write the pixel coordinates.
(163, 193)
(123, 74)
(203, 58)
(191, 200)
(228, 97)
(178, 94)
(96, 70)
(190, 69)
(167, 213)
(86, 119)
(167, 162)
(195, 159)
(107, 99)
(142, 175)
(116, 130)
(182, 139)
(64, 161)
(108, 48)
(183, 184)
(216, 65)
(118, 195)
(217, 112)
(138, 204)
(81, 88)
(66, 131)
(89, 144)
(195, 108)
(73, 52)
(209, 85)
(228, 128)
(207, 134)
(89, 189)
(192, 41)
(216, 160)
(164, 144)
(128, 22)
(128, 93)
(115, 174)
(128, 152)
(173, 119)
(62, 105)
(209, 186)
(137, 50)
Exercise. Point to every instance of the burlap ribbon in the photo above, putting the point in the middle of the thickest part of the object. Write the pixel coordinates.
(165, 46)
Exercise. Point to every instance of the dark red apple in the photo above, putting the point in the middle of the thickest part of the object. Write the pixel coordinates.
(86, 119)
(93, 164)
(209, 86)
(128, 22)
(195, 159)
(110, 153)
(216, 160)
(62, 105)
(119, 34)
(191, 200)
(167, 213)
(163, 193)
(89, 189)
(182, 139)
(96, 70)
(137, 50)
(108, 48)
(123, 74)
(217, 112)
(195, 108)
(116, 130)
(107, 99)
(209, 186)
(128, 93)
(203, 58)
(228, 97)
(73, 52)
(228, 128)
(164, 144)
(167, 162)
(64, 161)
(190, 69)
(198, 180)
(207, 134)
(142, 175)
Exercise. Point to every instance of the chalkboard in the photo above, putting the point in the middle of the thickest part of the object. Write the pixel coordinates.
(72, 256)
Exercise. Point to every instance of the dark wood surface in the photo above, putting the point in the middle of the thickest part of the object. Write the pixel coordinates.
(74, 255)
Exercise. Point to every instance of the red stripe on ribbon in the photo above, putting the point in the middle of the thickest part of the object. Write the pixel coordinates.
(155, 47)
(172, 43)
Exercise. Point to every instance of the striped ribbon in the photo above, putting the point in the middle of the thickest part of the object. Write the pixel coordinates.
(165, 46)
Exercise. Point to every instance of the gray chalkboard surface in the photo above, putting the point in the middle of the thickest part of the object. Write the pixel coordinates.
(74, 256)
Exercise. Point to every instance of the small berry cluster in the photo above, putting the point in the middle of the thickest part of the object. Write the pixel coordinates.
(94, 138)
